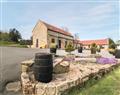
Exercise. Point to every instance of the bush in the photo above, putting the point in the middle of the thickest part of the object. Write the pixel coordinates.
(53, 45)
(94, 45)
(93, 48)
(69, 48)
(112, 46)
(25, 42)
(112, 51)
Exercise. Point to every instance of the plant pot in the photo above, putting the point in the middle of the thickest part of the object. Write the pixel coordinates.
(117, 54)
(93, 50)
(80, 50)
(53, 50)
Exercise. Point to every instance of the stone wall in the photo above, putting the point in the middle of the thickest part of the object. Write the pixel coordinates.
(77, 75)
(58, 36)
(39, 33)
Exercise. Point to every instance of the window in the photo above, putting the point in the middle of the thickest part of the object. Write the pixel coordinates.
(53, 40)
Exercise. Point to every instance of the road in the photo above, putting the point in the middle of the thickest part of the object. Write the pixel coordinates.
(10, 60)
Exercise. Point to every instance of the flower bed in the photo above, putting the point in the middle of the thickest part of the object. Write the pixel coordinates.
(103, 60)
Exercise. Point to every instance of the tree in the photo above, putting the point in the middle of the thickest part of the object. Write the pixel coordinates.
(0, 35)
(4, 36)
(111, 41)
(112, 44)
(14, 35)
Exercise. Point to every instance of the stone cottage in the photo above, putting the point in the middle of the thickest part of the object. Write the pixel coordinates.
(104, 43)
(44, 34)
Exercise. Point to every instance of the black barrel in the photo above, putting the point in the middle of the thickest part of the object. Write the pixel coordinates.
(43, 67)
(117, 54)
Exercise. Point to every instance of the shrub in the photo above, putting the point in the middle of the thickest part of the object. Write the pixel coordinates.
(112, 51)
(94, 45)
(25, 42)
(69, 48)
(93, 48)
(53, 45)
(112, 46)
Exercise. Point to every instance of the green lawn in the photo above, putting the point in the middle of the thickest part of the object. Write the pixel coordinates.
(108, 85)
(11, 44)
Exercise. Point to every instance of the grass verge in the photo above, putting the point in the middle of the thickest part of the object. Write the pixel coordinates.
(12, 44)
(108, 85)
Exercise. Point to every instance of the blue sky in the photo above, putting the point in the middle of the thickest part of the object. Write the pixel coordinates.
(89, 19)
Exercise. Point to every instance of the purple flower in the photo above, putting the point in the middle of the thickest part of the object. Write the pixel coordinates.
(106, 60)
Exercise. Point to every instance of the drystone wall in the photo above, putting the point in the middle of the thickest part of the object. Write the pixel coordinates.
(77, 74)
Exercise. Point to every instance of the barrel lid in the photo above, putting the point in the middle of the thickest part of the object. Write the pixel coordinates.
(43, 55)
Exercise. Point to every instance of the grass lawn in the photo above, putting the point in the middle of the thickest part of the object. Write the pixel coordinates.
(11, 44)
(108, 85)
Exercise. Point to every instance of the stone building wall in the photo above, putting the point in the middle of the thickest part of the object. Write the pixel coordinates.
(39, 33)
(42, 37)
(58, 36)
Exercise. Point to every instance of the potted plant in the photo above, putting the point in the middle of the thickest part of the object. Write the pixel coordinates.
(98, 49)
(93, 48)
(53, 48)
(69, 48)
(80, 49)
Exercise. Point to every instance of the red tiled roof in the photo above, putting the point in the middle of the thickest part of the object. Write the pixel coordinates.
(55, 29)
(77, 41)
(98, 42)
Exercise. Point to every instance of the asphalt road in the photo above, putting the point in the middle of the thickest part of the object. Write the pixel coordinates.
(10, 59)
